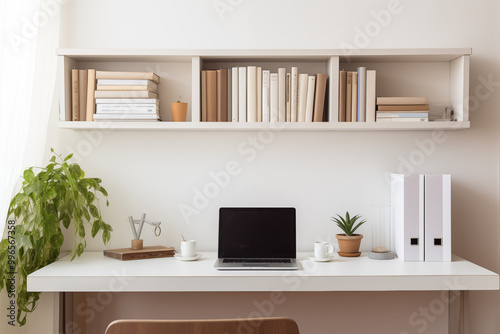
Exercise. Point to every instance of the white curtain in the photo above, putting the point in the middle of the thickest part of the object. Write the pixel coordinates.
(29, 31)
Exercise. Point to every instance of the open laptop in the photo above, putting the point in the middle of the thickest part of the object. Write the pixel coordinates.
(257, 238)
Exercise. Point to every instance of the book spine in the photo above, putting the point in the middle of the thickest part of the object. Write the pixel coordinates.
(128, 75)
(242, 94)
(82, 94)
(211, 96)
(222, 95)
(90, 96)
(361, 94)
(122, 101)
(302, 97)
(265, 95)
(274, 97)
(311, 85)
(371, 89)
(281, 94)
(252, 94)
(204, 96)
(126, 108)
(259, 94)
(354, 97)
(342, 95)
(319, 97)
(229, 94)
(348, 97)
(234, 108)
(287, 98)
(74, 95)
(294, 93)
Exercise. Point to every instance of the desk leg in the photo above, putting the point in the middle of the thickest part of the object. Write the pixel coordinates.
(458, 312)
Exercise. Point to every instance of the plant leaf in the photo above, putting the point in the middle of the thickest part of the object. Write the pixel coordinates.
(68, 157)
(28, 175)
(96, 226)
(93, 211)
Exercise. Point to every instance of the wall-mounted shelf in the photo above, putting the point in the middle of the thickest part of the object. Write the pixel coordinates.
(230, 126)
(440, 74)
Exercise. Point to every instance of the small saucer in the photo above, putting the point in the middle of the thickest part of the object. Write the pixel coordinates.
(183, 258)
(321, 259)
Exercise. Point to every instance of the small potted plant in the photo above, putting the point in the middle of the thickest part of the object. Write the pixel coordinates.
(348, 241)
(179, 110)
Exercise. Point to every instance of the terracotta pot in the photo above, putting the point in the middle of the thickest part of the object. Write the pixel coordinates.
(179, 111)
(349, 245)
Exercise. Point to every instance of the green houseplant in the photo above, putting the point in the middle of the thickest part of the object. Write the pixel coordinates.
(48, 201)
(349, 242)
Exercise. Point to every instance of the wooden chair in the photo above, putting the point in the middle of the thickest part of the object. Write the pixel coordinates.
(223, 326)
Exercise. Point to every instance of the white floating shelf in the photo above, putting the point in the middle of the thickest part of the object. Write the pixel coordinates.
(236, 126)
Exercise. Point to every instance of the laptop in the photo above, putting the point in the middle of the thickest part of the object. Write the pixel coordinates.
(257, 239)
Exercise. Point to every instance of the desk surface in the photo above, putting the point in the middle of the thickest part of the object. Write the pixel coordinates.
(95, 272)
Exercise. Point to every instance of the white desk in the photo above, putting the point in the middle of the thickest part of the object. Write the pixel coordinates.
(95, 272)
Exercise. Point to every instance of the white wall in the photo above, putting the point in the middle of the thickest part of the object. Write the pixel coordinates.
(319, 173)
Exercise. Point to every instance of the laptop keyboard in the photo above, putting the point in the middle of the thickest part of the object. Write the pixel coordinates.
(256, 261)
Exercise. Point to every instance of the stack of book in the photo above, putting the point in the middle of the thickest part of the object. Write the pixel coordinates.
(127, 96)
(253, 94)
(357, 95)
(402, 109)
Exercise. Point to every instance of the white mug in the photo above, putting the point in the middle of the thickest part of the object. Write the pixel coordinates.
(188, 248)
(323, 249)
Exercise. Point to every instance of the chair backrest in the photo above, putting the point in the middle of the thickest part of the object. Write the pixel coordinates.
(219, 326)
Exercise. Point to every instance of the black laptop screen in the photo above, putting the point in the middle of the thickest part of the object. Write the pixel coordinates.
(257, 233)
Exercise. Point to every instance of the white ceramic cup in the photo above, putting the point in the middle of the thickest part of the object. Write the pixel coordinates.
(323, 249)
(188, 248)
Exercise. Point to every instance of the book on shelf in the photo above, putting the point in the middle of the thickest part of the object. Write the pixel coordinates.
(211, 96)
(126, 87)
(222, 95)
(302, 97)
(402, 119)
(319, 97)
(371, 95)
(83, 76)
(203, 101)
(402, 100)
(403, 114)
(234, 91)
(126, 94)
(361, 111)
(348, 96)
(404, 107)
(259, 94)
(125, 101)
(342, 95)
(140, 116)
(129, 82)
(91, 86)
(128, 75)
(265, 95)
(127, 108)
(294, 93)
(288, 105)
(311, 85)
(242, 94)
(229, 88)
(74, 95)
(354, 97)
(273, 98)
(252, 94)
(281, 94)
